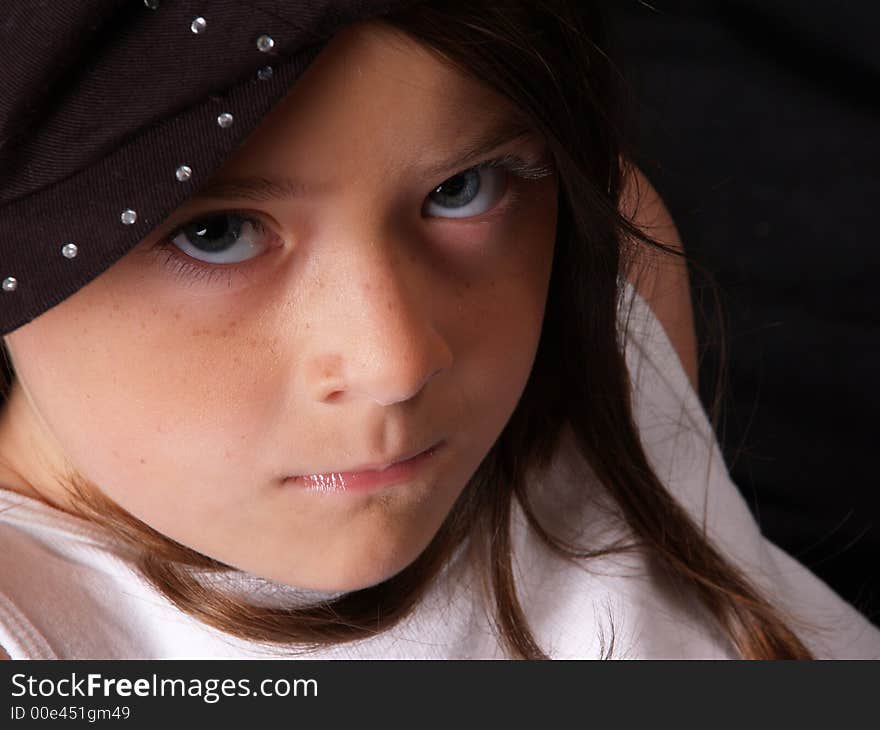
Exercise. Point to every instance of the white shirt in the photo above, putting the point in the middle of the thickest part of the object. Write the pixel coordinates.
(67, 591)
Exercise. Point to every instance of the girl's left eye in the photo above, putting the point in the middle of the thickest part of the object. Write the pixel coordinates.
(467, 194)
(476, 190)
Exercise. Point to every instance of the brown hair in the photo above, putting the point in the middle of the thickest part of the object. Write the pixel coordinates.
(549, 58)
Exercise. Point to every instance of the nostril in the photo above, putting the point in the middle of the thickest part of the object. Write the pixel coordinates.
(333, 396)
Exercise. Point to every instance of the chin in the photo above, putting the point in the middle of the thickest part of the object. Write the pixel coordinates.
(359, 577)
(363, 568)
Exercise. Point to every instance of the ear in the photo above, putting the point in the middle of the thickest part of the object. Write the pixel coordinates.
(661, 279)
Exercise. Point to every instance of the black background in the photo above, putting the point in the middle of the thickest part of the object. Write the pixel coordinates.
(759, 124)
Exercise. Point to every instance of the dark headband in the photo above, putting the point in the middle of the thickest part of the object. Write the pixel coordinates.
(114, 112)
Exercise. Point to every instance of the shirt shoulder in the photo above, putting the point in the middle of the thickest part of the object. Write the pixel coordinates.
(66, 588)
(684, 451)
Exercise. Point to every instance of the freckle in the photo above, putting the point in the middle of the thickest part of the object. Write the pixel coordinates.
(177, 315)
(115, 453)
(143, 461)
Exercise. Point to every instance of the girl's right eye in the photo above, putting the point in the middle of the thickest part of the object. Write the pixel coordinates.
(222, 238)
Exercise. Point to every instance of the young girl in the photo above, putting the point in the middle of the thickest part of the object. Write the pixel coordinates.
(380, 363)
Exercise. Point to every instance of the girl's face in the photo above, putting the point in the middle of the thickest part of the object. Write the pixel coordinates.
(349, 290)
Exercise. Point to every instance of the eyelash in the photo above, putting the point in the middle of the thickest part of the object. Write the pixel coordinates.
(193, 271)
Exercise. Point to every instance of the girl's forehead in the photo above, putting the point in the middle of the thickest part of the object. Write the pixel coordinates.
(372, 65)
(373, 87)
(382, 51)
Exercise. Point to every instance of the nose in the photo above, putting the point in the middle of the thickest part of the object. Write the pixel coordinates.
(382, 343)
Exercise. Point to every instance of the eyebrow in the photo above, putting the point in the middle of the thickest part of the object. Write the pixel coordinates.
(257, 188)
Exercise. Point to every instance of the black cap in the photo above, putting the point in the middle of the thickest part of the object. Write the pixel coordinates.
(114, 112)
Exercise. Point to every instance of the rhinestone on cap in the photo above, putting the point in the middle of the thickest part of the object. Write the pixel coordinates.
(198, 25)
(265, 73)
(152, 4)
(225, 120)
(265, 43)
(69, 250)
(183, 173)
(10, 283)
(128, 216)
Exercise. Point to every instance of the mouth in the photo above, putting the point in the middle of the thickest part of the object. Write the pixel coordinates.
(368, 477)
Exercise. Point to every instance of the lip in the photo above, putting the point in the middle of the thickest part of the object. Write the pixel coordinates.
(366, 479)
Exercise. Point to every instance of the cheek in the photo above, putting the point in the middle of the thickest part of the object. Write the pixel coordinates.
(515, 298)
(144, 393)
(503, 319)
